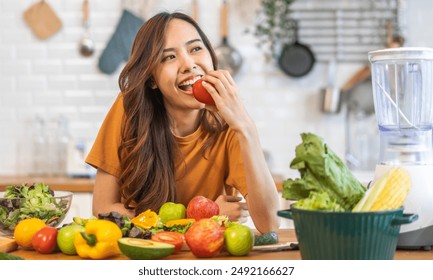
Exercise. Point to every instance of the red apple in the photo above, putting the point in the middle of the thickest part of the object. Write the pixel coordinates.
(204, 238)
(201, 207)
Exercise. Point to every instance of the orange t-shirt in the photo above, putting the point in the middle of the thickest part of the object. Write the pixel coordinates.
(195, 175)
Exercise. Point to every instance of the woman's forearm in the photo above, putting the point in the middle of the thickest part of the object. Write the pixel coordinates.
(262, 198)
(106, 197)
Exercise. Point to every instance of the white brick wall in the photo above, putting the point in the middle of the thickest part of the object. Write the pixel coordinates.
(50, 77)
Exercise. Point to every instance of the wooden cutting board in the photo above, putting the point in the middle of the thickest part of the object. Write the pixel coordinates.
(7, 244)
(42, 20)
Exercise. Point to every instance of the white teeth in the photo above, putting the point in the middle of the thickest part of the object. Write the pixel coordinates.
(190, 82)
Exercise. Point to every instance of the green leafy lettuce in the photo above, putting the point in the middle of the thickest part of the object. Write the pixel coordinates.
(326, 183)
(34, 201)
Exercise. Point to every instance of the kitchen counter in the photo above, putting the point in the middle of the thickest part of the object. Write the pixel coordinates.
(56, 183)
(75, 184)
(285, 235)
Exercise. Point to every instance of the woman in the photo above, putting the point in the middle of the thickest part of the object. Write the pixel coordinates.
(159, 144)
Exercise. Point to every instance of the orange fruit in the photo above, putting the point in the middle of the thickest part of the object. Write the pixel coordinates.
(25, 229)
(146, 219)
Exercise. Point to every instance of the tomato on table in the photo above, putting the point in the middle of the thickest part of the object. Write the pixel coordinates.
(45, 240)
(171, 237)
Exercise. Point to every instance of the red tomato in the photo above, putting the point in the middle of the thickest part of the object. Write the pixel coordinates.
(171, 237)
(201, 94)
(45, 240)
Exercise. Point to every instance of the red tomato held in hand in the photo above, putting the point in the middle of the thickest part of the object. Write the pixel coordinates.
(171, 237)
(45, 240)
(201, 94)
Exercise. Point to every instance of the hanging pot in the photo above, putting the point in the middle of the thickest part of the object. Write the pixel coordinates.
(296, 59)
(331, 98)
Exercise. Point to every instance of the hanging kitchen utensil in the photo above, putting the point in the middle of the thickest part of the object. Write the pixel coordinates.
(195, 11)
(228, 57)
(87, 46)
(42, 20)
(119, 46)
(331, 101)
(393, 39)
(296, 59)
(361, 75)
(357, 91)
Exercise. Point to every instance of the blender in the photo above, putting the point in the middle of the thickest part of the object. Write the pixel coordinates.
(402, 84)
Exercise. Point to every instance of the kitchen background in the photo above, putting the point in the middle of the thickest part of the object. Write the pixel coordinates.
(54, 99)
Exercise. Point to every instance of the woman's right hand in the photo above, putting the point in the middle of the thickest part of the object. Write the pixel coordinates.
(225, 93)
(233, 208)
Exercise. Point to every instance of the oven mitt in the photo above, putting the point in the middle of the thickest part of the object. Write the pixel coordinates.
(42, 20)
(119, 46)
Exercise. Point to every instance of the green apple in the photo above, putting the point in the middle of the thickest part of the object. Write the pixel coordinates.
(238, 240)
(66, 236)
(171, 211)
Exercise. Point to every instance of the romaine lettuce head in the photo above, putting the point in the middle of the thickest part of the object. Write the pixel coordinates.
(321, 170)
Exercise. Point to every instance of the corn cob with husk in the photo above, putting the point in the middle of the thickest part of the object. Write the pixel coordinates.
(387, 193)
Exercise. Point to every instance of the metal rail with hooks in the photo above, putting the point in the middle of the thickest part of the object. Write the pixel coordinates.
(345, 30)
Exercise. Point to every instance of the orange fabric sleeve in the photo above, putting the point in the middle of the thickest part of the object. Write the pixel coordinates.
(104, 154)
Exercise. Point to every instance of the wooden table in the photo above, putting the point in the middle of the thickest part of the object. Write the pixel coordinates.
(285, 235)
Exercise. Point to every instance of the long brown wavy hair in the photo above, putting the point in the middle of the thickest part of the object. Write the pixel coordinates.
(148, 149)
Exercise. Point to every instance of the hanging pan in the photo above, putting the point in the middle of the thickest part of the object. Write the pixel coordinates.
(296, 59)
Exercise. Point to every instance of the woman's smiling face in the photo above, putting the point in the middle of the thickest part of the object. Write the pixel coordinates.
(185, 59)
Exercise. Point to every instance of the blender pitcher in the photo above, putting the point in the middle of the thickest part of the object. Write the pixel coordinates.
(402, 83)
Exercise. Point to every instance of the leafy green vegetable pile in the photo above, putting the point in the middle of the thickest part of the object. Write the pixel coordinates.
(131, 230)
(326, 183)
(35, 201)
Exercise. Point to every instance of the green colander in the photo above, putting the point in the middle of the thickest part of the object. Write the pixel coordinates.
(324, 235)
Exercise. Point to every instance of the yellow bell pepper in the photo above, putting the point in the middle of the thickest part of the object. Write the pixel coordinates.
(98, 240)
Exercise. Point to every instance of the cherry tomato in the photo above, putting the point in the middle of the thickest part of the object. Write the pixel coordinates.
(45, 240)
(171, 237)
(201, 94)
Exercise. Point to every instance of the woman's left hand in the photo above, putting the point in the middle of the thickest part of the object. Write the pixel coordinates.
(231, 207)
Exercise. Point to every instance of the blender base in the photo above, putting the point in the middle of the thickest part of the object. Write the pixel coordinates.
(416, 240)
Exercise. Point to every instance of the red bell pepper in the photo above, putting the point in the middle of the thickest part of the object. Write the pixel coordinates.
(45, 240)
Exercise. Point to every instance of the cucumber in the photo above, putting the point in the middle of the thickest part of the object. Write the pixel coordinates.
(266, 239)
(6, 256)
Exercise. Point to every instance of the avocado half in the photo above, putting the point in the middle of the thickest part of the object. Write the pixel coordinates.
(144, 249)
